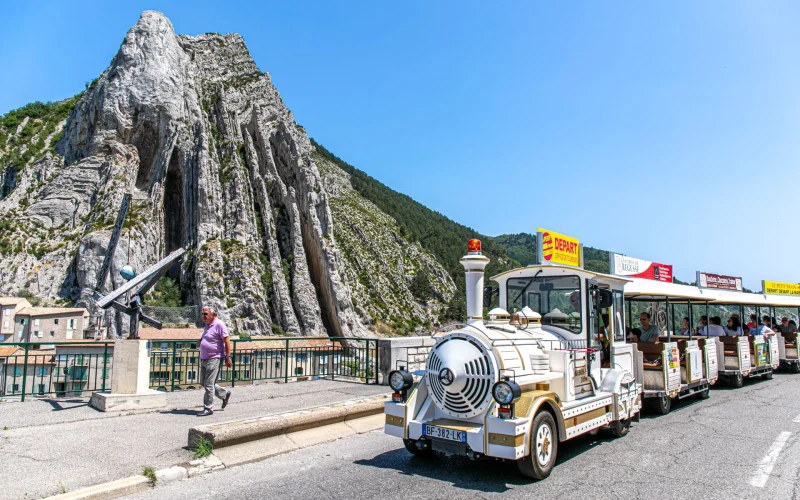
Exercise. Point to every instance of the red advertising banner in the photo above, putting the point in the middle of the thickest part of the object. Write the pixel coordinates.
(622, 265)
(719, 281)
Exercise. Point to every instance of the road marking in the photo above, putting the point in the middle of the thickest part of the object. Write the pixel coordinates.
(796, 419)
(764, 468)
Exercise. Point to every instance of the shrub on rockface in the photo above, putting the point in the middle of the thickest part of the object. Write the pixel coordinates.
(421, 287)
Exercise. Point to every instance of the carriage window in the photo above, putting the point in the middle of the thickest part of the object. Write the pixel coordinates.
(557, 299)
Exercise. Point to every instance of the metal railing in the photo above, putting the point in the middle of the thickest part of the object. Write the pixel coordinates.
(175, 364)
(55, 368)
(74, 368)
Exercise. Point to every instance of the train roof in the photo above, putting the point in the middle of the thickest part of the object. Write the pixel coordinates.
(644, 289)
(556, 270)
(755, 299)
(641, 288)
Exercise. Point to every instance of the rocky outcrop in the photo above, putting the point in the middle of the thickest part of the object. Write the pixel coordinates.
(217, 165)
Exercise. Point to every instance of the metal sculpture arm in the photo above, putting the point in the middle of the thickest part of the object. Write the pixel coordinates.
(112, 243)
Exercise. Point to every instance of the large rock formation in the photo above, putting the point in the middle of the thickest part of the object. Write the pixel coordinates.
(217, 165)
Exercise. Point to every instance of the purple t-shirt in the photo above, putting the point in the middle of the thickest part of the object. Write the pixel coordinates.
(212, 344)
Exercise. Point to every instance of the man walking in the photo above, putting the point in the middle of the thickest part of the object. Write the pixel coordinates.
(215, 345)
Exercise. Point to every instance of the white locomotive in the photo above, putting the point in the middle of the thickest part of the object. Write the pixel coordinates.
(515, 386)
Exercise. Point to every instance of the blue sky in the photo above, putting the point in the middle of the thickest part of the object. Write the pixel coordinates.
(667, 131)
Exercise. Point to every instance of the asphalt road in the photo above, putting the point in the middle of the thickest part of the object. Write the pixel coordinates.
(716, 448)
(50, 445)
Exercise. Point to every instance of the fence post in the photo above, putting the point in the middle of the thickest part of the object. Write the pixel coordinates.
(331, 364)
(286, 362)
(105, 361)
(377, 361)
(24, 371)
(172, 370)
(233, 366)
(366, 368)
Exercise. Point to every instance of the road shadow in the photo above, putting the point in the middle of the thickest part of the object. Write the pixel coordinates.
(66, 404)
(180, 411)
(486, 475)
(648, 413)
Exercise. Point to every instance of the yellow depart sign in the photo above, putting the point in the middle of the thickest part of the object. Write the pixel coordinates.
(779, 288)
(557, 248)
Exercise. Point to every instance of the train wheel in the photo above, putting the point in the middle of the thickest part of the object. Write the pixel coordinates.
(767, 376)
(544, 448)
(412, 448)
(619, 428)
(737, 380)
(662, 405)
(795, 367)
(704, 394)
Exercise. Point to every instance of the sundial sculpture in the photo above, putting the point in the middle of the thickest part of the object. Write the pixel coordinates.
(147, 279)
(130, 303)
(130, 372)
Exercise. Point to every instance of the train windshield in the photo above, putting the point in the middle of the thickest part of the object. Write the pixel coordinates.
(556, 298)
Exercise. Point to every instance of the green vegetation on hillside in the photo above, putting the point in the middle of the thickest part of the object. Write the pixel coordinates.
(445, 239)
(166, 293)
(522, 247)
(29, 145)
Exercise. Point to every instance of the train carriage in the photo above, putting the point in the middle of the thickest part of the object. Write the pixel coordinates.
(745, 356)
(787, 342)
(675, 366)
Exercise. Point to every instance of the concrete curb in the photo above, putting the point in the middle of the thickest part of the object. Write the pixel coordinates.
(113, 489)
(241, 431)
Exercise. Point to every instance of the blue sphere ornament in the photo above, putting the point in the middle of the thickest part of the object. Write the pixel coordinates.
(127, 273)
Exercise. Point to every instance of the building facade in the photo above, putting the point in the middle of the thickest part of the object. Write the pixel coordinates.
(50, 324)
(9, 307)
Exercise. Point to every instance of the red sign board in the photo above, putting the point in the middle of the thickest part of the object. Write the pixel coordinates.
(622, 265)
(719, 281)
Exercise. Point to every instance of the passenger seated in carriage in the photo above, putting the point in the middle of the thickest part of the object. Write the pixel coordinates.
(650, 332)
(734, 326)
(685, 330)
(787, 326)
(763, 328)
(715, 328)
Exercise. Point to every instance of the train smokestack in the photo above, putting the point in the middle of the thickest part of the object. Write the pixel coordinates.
(474, 264)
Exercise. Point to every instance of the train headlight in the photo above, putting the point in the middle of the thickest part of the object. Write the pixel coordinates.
(400, 380)
(506, 392)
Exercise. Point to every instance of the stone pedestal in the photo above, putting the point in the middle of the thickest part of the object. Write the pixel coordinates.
(411, 352)
(130, 376)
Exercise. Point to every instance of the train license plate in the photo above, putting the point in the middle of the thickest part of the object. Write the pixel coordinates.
(441, 433)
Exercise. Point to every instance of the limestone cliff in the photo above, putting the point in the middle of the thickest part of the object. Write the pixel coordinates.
(216, 164)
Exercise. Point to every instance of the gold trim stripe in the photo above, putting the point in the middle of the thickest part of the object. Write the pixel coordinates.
(394, 420)
(506, 440)
(585, 417)
(525, 404)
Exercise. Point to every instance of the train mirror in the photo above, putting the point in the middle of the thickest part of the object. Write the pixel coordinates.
(603, 298)
(487, 296)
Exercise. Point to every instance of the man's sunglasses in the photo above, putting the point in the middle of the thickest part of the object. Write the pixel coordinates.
(206, 314)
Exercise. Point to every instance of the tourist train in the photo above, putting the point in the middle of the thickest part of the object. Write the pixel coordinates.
(555, 359)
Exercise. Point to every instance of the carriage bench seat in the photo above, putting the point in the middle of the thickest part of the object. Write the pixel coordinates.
(651, 352)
